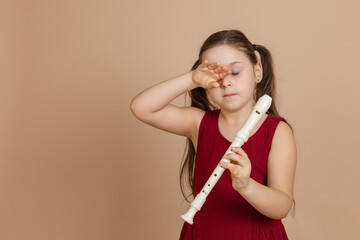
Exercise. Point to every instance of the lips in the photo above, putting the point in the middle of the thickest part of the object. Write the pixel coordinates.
(229, 94)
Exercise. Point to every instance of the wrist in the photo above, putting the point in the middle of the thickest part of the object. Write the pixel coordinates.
(193, 84)
(246, 190)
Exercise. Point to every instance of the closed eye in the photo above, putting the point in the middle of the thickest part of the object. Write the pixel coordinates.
(235, 73)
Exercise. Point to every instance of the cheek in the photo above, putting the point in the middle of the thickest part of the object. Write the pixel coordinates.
(244, 81)
(214, 92)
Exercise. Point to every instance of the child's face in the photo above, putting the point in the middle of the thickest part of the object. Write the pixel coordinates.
(236, 90)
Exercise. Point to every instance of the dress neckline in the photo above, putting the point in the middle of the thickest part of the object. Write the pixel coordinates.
(226, 140)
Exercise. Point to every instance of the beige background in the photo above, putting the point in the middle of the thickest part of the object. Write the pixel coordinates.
(74, 162)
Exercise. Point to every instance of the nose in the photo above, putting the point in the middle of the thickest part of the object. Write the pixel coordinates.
(225, 82)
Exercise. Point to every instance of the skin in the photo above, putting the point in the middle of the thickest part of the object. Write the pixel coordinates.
(221, 74)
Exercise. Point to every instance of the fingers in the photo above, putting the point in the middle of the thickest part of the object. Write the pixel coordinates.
(239, 167)
(217, 68)
(235, 159)
(233, 168)
(212, 84)
(238, 156)
(224, 74)
(240, 151)
(204, 64)
(213, 66)
(208, 74)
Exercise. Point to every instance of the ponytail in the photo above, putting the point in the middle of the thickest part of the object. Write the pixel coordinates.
(267, 84)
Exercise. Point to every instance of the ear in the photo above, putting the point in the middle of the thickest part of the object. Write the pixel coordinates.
(258, 69)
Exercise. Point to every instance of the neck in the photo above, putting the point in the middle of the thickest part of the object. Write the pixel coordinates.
(237, 118)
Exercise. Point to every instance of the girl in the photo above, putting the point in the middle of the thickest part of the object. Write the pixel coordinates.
(256, 192)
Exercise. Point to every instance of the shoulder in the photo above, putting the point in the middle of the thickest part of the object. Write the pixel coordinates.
(276, 124)
(276, 119)
(280, 134)
(283, 130)
(283, 138)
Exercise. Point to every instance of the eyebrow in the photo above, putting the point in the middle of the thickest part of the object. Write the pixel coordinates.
(235, 62)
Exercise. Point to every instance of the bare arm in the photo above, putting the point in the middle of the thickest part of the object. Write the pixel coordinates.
(274, 200)
(153, 107)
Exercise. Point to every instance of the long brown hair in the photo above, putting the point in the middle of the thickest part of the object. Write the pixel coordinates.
(200, 99)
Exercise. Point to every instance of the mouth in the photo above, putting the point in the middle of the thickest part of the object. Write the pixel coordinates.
(230, 94)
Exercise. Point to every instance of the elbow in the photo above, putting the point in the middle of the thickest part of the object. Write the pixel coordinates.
(139, 109)
(281, 215)
(283, 212)
(135, 108)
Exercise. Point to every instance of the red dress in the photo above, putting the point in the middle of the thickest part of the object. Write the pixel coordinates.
(226, 214)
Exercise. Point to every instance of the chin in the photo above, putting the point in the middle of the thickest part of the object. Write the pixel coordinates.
(231, 108)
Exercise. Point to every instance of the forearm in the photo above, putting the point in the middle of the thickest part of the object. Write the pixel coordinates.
(270, 202)
(160, 95)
